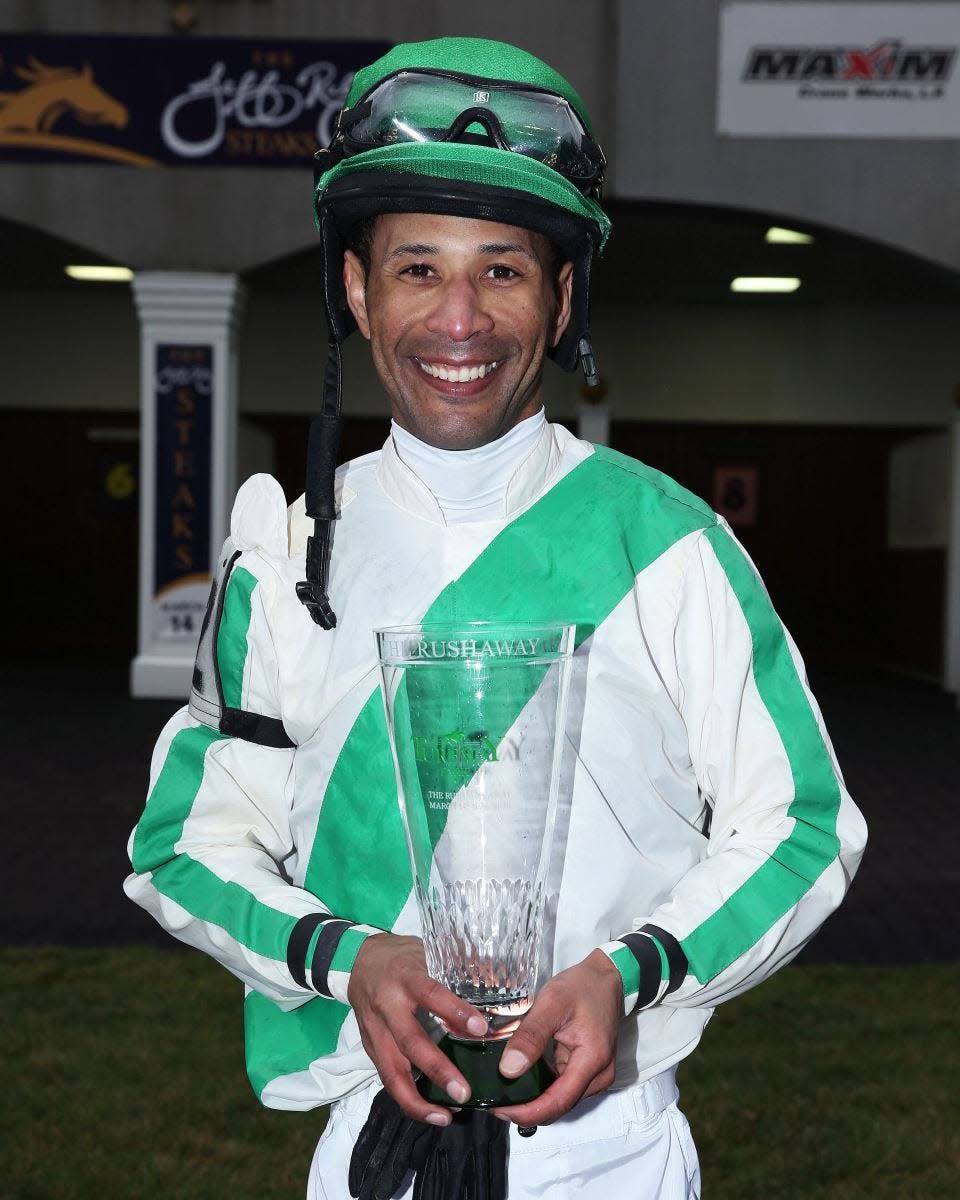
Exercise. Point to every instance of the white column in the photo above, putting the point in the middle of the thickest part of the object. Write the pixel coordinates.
(593, 423)
(951, 646)
(188, 452)
(593, 413)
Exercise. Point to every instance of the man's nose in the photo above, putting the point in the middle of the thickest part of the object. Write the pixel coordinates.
(459, 311)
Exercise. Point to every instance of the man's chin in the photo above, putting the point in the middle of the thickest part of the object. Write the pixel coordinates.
(456, 439)
(456, 422)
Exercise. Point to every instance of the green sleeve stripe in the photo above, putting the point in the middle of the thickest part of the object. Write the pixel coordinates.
(312, 945)
(664, 961)
(799, 860)
(255, 925)
(232, 635)
(172, 797)
(626, 963)
(347, 949)
(206, 896)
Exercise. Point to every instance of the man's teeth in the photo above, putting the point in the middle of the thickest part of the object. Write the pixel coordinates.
(458, 374)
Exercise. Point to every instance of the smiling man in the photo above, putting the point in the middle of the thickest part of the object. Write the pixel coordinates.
(707, 831)
(460, 314)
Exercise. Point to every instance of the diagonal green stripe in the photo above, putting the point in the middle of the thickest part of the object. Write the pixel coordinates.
(279, 1043)
(776, 886)
(572, 556)
(232, 635)
(196, 888)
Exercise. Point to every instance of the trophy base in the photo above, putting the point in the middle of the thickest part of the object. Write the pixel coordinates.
(479, 1063)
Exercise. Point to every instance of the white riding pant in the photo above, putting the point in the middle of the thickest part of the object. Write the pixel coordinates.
(633, 1144)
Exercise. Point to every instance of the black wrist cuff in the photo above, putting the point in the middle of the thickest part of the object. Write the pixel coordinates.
(298, 946)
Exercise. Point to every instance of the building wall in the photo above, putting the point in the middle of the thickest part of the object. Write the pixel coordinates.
(232, 219)
(647, 71)
(826, 364)
(798, 379)
(892, 190)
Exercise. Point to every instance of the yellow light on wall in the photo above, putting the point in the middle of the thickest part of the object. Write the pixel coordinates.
(765, 283)
(100, 274)
(787, 237)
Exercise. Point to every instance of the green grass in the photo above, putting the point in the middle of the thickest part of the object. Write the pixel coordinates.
(127, 1081)
(830, 1082)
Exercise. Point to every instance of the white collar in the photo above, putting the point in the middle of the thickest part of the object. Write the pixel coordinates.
(524, 483)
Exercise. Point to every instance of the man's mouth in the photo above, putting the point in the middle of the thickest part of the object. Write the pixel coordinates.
(452, 373)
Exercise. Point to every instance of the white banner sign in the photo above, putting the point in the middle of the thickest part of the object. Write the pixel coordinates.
(839, 70)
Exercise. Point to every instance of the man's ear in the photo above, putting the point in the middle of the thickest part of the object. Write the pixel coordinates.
(564, 291)
(355, 285)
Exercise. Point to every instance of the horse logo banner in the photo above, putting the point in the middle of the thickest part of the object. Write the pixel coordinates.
(152, 101)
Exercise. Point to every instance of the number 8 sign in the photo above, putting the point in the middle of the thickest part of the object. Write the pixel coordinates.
(735, 495)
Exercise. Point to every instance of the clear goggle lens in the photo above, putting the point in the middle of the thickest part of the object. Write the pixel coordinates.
(419, 106)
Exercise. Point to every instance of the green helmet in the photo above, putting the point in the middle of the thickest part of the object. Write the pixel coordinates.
(458, 127)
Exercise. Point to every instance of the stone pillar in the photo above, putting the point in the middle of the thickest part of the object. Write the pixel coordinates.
(951, 646)
(593, 423)
(188, 449)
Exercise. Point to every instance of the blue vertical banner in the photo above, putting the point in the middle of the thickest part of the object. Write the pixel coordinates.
(183, 392)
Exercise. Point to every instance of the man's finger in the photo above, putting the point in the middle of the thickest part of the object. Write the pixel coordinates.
(404, 1044)
(395, 1073)
(453, 1010)
(602, 1081)
(420, 1051)
(533, 1037)
(560, 1096)
(561, 1056)
(544, 1110)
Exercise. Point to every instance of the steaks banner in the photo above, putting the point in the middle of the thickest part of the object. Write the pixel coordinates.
(172, 101)
(183, 390)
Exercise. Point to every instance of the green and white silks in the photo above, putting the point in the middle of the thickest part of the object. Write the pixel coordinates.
(699, 793)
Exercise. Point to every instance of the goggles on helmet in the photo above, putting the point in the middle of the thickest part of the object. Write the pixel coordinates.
(432, 106)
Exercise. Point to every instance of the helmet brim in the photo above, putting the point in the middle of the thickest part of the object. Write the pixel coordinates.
(470, 171)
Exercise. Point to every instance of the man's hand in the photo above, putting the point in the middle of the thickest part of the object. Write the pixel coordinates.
(388, 983)
(581, 1009)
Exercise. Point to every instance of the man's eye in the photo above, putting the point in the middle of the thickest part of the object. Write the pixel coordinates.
(418, 270)
(502, 271)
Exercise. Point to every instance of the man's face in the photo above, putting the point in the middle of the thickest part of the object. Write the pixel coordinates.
(459, 314)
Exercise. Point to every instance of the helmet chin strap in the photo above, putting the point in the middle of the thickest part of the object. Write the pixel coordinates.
(588, 361)
(319, 497)
(429, 196)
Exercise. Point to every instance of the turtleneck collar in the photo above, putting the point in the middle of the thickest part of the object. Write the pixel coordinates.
(486, 483)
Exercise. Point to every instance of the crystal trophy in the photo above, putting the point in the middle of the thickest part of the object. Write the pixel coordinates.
(475, 714)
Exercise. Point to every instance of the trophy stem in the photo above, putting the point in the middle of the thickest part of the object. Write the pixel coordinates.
(479, 1063)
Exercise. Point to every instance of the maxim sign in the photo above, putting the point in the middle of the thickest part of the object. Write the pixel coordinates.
(887, 62)
(839, 70)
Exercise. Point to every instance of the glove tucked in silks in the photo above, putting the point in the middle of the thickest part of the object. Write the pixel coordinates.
(465, 1160)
